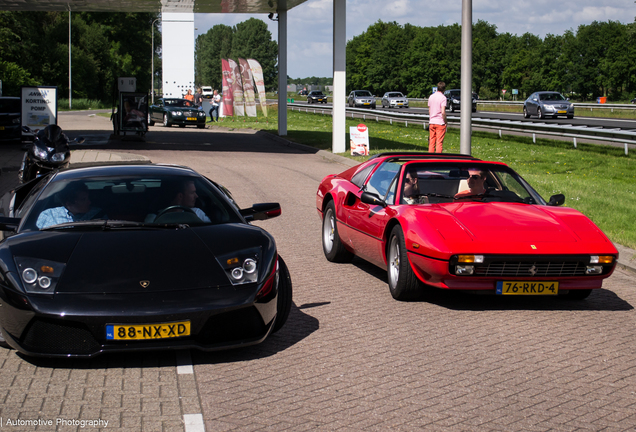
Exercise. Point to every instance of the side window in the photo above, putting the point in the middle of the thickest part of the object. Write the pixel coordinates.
(359, 178)
(381, 179)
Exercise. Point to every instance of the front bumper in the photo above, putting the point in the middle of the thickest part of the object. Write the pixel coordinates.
(74, 325)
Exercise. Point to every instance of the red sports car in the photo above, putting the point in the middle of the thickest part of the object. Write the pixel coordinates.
(457, 222)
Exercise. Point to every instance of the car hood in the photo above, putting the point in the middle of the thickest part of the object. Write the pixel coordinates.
(122, 261)
(514, 228)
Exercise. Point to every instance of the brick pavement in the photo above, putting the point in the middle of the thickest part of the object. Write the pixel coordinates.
(350, 357)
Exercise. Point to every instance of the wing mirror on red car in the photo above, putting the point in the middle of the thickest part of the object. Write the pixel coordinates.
(372, 199)
(261, 211)
(556, 200)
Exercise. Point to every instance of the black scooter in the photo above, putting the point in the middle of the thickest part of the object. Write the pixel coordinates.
(48, 152)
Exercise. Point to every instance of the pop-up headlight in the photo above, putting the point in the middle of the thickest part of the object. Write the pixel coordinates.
(39, 276)
(241, 267)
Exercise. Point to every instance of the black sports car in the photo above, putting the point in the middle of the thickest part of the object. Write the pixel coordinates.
(136, 257)
(181, 112)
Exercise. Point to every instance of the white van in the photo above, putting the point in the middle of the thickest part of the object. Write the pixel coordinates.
(206, 92)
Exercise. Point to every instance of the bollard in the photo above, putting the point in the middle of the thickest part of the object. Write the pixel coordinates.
(391, 120)
(406, 124)
(626, 149)
(574, 142)
(376, 119)
(499, 133)
(534, 138)
(364, 116)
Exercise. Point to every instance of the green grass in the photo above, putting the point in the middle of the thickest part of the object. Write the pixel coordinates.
(81, 104)
(597, 180)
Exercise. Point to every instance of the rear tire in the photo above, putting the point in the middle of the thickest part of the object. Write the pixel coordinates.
(403, 284)
(284, 301)
(332, 246)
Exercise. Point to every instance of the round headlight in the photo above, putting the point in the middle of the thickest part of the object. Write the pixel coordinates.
(44, 282)
(58, 157)
(237, 273)
(29, 275)
(249, 266)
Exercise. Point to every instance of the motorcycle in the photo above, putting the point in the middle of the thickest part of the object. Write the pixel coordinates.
(48, 152)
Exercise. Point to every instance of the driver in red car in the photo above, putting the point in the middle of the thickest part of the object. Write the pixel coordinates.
(411, 191)
(476, 184)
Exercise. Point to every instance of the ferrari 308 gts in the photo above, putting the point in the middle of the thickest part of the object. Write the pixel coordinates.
(136, 257)
(460, 223)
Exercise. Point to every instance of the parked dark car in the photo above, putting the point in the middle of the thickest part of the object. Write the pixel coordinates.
(181, 112)
(10, 119)
(453, 100)
(548, 103)
(361, 98)
(153, 257)
(316, 96)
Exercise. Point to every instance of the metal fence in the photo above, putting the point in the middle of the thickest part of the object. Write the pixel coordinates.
(615, 136)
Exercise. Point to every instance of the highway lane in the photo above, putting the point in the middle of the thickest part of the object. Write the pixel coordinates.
(578, 120)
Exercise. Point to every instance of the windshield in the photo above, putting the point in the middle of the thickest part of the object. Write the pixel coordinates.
(446, 183)
(396, 95)
(144, 200)
(551, 97)
(177, 102)
(363, 93)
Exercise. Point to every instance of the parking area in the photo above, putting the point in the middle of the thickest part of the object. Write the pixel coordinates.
(350, 358)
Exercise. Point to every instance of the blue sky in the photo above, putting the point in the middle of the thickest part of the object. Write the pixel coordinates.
(309, 25)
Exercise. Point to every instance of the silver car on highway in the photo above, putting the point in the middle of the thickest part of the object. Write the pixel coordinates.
(547, 103)
(394, 100)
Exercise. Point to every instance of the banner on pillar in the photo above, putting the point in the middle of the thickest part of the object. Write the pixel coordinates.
(359, 140)
(248, 88)
(257, 73)
(237, 89)
(228, 100)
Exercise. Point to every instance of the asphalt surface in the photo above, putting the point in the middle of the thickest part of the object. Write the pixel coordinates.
(350, 358)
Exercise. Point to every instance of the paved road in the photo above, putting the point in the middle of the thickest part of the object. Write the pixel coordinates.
(350, 357)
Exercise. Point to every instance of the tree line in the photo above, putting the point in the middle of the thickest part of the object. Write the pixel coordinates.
(34, 50)
(248, 39)
(598, 59)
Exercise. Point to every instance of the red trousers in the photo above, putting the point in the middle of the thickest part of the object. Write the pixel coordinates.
(436, 138)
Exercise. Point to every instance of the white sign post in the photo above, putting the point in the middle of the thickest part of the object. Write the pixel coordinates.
(359, 140)
(39, 107)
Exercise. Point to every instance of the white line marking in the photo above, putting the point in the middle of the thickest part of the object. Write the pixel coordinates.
(184, 362)
(193, 423)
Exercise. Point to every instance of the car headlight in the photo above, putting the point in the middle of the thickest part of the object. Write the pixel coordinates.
(16, 120)
(177, 113)
(549, 108)
(202, 114)
(455, 100)
(39, 276)
(58, 157)
(241, 267)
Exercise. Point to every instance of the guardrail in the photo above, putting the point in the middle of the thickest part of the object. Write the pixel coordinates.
(569, 131)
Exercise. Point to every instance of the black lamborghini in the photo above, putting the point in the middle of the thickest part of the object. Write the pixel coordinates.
(136, 257)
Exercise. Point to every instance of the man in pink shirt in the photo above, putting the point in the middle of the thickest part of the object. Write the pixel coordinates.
(437, 119)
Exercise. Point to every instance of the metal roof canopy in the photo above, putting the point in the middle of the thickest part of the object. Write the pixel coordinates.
(196, 6)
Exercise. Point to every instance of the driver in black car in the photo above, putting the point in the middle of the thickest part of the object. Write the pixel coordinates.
(185, 196)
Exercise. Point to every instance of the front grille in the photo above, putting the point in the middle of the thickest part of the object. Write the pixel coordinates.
(50, 337)
(531, 269)
(234, 326)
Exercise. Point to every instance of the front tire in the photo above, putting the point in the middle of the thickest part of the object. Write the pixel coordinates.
(284, 301)
(166, 122)
(332, 246)
(150, 122)
(540, 113)
(403, 284)
(452, 108)
(525, 113)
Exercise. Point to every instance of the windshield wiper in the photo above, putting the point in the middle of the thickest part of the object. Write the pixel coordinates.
(106, 224)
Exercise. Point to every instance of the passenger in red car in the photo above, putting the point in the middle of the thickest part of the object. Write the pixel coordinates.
(476, 186)
(411, 192)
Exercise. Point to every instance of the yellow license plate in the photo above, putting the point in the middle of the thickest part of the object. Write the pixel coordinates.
(527, 288)
(191, 118)
(147, 331)
(561, 112)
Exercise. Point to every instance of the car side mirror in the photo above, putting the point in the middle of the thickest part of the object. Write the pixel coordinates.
(9, 224)
(262, 211)
(556, 200)
(372, 199)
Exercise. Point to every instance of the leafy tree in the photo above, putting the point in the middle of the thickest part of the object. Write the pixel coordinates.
(252, 39)
(210, 48)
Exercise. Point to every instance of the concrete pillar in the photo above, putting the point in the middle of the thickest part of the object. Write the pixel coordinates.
(466, 78)
(339, 75)
(282, 69)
